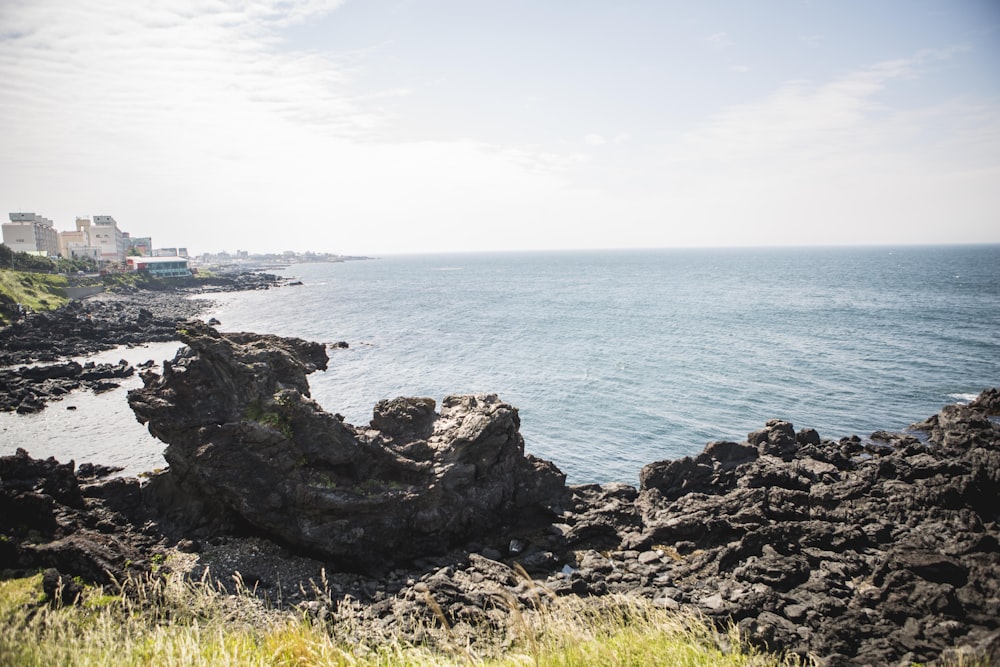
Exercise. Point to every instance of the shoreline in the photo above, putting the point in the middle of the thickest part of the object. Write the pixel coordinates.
(860, 551)
(75, 345)
(858, 554)
(46, 355)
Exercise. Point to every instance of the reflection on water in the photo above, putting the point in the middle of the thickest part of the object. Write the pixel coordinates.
(88, 427)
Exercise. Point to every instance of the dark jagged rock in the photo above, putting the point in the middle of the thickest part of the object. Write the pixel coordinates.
(860, 551)
(867, 554)
(27, 389)
(49, 519)
(247, 445)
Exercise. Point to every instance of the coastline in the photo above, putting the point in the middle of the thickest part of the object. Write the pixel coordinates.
(860, 551)
(85, 356)
(104, 320)
(850, 553)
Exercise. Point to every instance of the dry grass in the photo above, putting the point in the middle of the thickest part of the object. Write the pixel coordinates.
(168, 621)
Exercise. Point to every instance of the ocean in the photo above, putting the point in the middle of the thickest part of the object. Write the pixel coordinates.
(615, 358)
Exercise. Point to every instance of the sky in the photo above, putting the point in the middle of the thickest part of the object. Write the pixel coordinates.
(402, 126)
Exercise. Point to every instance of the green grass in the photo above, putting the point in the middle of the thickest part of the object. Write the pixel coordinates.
(34, 291)
(144, 280)
(168, 621)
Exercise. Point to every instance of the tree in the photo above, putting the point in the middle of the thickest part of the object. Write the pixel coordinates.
(22, 261)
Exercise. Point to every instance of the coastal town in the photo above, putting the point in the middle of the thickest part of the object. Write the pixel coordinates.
(100, 244)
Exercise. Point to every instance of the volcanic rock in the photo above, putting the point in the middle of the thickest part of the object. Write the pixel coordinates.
(27, 389)
(49, 518)
(861, 553)
(248, 446)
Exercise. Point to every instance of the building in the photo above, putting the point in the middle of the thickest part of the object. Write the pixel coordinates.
(160, 267)
(170, 252)
(78, 244)
(106, 236)
(30, 232)
(143, 245)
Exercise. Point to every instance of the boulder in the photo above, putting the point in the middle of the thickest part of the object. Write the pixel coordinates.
(248, 446)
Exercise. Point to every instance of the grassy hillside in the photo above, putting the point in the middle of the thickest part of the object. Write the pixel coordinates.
(34, 291)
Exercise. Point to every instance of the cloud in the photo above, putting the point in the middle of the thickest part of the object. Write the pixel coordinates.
(199, 125)
(719, 41)
(831, 162)
(137, 69)
(196, 124)
(799, 117)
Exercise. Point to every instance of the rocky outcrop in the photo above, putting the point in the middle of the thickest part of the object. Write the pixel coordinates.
(865, 552)
(248, 446)
(860, 551)
(74, 522)
(29, 388)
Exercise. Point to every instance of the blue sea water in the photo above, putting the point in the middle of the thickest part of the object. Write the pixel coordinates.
(619, 358)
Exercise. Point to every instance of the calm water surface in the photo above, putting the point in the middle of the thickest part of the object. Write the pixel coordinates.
(619, 358)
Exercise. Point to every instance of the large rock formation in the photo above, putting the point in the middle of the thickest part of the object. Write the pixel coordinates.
(860, 551)
(248, 446)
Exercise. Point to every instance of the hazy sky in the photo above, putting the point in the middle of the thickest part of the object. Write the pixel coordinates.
(382, 126)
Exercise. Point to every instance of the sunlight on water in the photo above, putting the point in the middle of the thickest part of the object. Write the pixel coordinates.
(618, 359)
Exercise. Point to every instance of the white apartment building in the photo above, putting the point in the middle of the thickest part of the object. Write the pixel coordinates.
(106, 236)
(30, 232)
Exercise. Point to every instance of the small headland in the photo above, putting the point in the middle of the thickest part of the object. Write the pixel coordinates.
(882, 550)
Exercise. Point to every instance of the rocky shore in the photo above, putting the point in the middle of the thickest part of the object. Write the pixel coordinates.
(882, 550)
(34, 369)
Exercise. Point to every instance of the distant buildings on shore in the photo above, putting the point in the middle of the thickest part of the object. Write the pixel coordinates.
(243, 258)
(100, 240)
(112, 249)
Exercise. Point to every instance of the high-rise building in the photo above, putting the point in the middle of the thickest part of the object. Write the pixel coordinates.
(106, 236)
(30, 232)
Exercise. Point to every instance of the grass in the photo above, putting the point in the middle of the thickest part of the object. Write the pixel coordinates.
(170, 621)
(34, 291)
